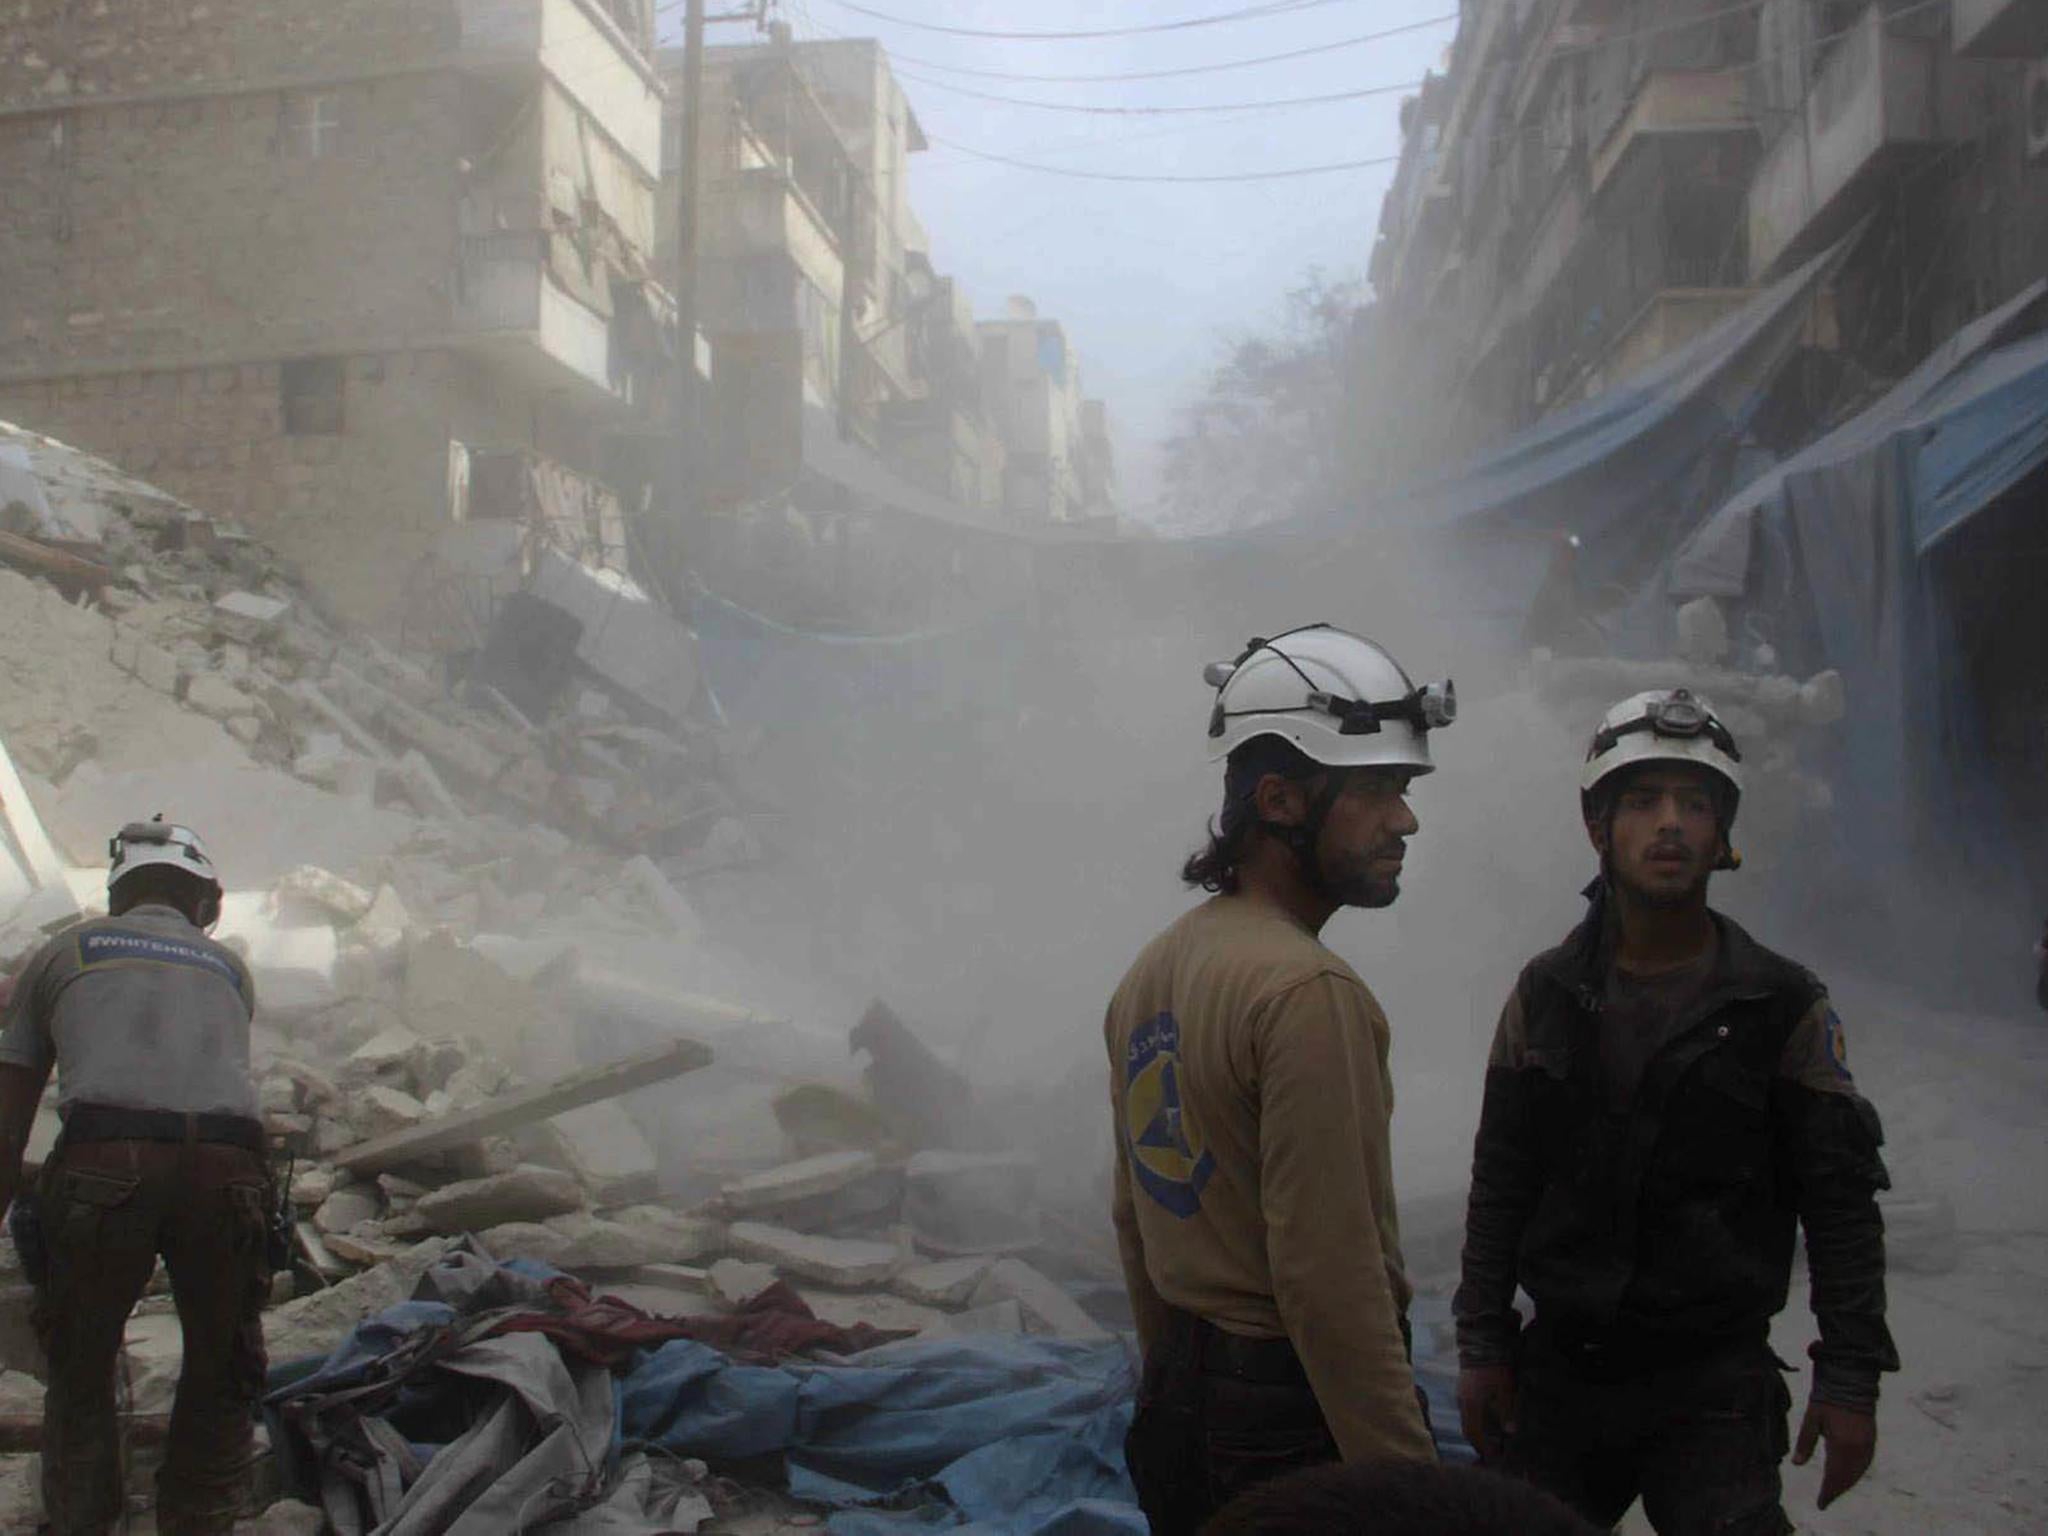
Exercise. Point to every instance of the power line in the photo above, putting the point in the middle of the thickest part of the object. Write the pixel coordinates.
(1167, 111)
(1184, 70)
(1245, 13)
(1073, 173)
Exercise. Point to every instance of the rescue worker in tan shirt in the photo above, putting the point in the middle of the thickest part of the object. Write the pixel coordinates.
(1254, 1205)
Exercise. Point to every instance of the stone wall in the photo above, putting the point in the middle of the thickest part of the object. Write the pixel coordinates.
(61, 48)
(228, 226)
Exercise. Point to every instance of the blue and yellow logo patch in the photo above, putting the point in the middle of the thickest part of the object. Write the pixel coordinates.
(1837, 1046)
(1171, 1164)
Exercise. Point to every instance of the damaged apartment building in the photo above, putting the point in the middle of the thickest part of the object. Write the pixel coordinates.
(1593, 183)
(850, 371)
(371, 277)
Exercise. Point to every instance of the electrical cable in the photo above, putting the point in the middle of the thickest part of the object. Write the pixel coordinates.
(1154, 178)
(1244, 13)
(1275, 104)
(1184, 70)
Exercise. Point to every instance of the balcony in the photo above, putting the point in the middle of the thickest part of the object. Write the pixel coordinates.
(1871, 102)
(1668, 102)
(584, 51)
(771, 216)
(2001, 29)
(508, 308)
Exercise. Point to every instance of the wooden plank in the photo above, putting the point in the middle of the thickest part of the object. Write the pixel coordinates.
(70, 572)
(514, 1110)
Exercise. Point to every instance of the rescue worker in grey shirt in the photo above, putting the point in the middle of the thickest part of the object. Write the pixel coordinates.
(146, 1022)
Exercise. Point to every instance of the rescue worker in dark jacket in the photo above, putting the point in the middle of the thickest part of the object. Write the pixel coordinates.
(146, 1021)
(1666, 1101)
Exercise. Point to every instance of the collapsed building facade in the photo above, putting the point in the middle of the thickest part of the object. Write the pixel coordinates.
(303, 273)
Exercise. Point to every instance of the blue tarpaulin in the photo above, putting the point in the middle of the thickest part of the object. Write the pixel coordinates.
(1836, 554)
(980, 1435)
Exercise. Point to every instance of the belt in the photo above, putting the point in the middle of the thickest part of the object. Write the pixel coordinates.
(1215, 1352)
(109, 1122)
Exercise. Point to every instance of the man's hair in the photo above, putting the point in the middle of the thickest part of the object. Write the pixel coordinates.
(1397, 1498)
(163, 885)
(1214, 867)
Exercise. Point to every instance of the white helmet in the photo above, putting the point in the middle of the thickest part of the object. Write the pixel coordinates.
(142, 844)
(1664, 725)
(1339, 698)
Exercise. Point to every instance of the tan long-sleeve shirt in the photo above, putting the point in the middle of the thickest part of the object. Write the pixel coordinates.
(1248, 1078)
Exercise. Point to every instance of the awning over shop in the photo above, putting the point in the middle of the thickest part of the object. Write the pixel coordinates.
(1629, 471)
(1976, 452)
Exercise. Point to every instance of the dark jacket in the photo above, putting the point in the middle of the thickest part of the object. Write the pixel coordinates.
(1666, 1229)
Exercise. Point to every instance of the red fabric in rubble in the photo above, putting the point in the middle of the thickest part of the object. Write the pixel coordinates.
(771, 1326)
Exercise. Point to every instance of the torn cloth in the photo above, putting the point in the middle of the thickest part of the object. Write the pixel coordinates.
(771, 1326)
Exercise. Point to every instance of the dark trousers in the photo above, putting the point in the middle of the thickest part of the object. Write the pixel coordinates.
(109, 1210)
(1215, 1416)
(1699, 1441)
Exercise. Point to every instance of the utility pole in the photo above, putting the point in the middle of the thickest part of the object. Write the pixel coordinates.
(687, 458)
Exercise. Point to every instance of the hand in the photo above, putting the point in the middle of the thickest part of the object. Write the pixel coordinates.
(1486, 1407)
(1852, 1441)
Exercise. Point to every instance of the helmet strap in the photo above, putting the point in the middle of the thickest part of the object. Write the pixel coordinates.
(1303, 837)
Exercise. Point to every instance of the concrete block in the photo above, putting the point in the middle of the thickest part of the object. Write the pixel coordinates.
(424, 788)
(246, 729)
(737, 1282)
(384, 924)
(821, 1175)
(311, 1187)
(319, 894)
(381, 1110)
(157, 667)
(970, 1202)
(348, 1208)
(1047, 1308)
(579, 1240)
(602, 1146)
(948, 1283)
(395, 1052)
(526, 1193)
(367, 1245)
(841, 1261)
(217, 698)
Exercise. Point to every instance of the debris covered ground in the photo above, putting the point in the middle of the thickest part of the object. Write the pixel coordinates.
(494, 1029)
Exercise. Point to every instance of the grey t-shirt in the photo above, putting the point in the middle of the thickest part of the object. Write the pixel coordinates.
(142, 1011)
(1640, 1015)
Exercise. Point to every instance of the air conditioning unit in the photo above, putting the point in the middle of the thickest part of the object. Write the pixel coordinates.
(2034, 111)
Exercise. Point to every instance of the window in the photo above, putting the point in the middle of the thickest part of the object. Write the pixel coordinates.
(312, 125)
(311, 392)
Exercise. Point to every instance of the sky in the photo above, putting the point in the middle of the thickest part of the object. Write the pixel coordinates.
(1150, 280)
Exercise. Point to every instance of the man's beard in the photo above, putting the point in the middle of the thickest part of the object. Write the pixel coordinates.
(1663, 900)
(1355, 883)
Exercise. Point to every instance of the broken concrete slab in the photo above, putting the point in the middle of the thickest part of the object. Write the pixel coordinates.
(287, 1517)
(971, 1202)
(602, 1146)
(840, 1261)
(312, 1247)
(319, 893)
(383, 925)
(347, 1209)
(217, 698)
(737, 1282)
(311, 1187)
(424, 788)
(1047, 1308)
(663, 899)
(948, 1283)
(381, 1110)
(394, 1052)
(821, 1175)
(581, 1241)
(314, 1324)
(369, 1244)
(247, 616)
(529, 1106)
(527, 1193)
